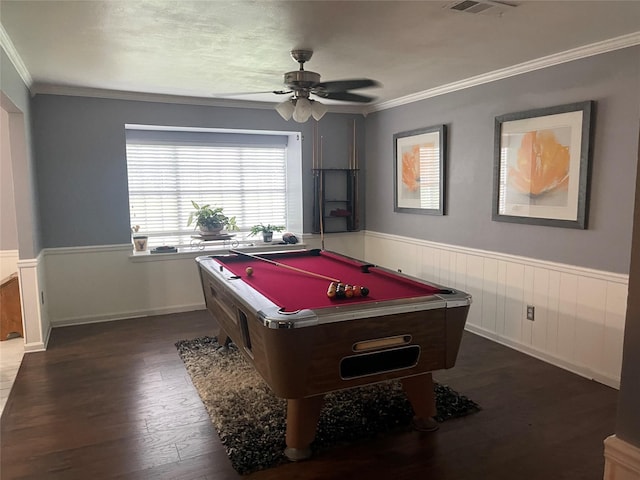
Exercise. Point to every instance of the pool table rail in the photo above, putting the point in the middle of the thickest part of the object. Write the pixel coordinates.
(272, 316)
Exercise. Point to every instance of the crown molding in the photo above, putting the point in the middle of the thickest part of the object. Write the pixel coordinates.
(67, 90)
(50, 89)
(13, 55)
(605, 46)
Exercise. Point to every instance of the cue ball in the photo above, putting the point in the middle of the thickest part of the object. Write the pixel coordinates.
(249, 271)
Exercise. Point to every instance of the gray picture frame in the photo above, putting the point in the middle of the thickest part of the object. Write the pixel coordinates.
(419, 170)
(542, 165)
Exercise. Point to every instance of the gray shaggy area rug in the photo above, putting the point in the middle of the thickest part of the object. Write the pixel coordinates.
(251, 421)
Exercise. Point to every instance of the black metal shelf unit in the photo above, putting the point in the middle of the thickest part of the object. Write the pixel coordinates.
(335, 201)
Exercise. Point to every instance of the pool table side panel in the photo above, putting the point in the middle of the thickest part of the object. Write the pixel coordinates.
(456, 320)
(426, 329)
(224, 306)
(220, 305)
(304, 362)
(281, 356)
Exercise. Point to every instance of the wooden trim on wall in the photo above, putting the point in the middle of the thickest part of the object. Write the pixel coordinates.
(621, 460)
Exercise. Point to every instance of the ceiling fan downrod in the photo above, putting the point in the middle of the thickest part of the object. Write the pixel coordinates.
(301, 56)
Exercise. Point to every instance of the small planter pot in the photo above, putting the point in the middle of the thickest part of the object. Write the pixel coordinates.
(140, 243)
(267, 237)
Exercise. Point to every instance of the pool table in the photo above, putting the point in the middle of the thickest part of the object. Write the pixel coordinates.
(305, 344)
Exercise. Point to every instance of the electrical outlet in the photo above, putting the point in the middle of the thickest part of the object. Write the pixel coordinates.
(531, 312)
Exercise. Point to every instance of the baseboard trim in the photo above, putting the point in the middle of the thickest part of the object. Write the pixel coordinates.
(127, 315)
(35, 347)
(622, 460)
(47, 336)
(545, 357)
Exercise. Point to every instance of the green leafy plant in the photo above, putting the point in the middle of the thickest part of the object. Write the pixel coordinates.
(207, 217)
(260, 228)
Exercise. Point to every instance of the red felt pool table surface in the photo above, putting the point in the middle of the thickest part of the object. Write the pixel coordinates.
(293, 290)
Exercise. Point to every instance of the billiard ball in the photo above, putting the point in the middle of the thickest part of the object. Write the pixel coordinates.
(249, 271)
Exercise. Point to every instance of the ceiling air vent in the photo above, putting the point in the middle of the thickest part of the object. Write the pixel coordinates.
(471, 6)
(494, 7)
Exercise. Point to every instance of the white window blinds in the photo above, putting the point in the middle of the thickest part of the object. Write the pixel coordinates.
(430, 176)
(248, 181)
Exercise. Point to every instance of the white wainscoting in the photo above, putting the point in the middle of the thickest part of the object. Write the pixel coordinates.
(579, 312)
(35, 320)
(8, 262)
(96, 284)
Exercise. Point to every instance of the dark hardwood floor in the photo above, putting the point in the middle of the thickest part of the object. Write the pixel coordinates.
(113, 401)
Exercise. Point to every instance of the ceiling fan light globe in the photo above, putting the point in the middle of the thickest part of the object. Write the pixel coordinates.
(318, 110)
(302, 111)
(285, 109)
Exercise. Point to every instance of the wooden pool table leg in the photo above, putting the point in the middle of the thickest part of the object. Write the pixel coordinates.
(302, 420)
(223, 337)
(419, 389)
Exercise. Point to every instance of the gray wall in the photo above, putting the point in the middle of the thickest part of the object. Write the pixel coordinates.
(15, 100)
(82, 169)
(8, 231)
(611, 79)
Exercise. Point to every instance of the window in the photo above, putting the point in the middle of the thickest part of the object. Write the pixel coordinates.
(246, 174)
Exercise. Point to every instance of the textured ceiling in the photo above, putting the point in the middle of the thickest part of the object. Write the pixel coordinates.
(214, 48)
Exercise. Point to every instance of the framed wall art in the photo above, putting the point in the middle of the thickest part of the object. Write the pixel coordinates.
(542, 164)
(419, 171)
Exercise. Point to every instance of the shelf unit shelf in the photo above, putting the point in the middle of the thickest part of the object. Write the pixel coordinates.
(335, 189)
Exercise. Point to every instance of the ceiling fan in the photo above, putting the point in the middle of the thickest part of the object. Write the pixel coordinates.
(303, 83)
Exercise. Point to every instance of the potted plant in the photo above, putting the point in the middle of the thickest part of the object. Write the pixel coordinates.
(266, 230)
(210, 219)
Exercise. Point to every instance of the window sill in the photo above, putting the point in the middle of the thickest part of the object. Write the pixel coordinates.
(193, 252)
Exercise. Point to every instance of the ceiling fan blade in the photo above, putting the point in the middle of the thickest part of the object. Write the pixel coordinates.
(344, 85)
(345, 96)
(238, 94)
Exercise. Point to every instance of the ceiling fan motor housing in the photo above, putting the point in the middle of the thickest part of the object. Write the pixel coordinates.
(301, 79)
(303, 83)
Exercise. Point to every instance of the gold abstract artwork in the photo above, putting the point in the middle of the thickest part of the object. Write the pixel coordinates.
(542, 164)
(411, 168)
